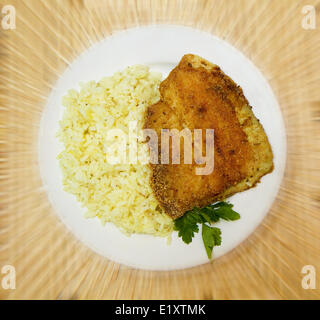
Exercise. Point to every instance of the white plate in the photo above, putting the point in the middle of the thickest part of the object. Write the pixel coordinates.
(161, 47)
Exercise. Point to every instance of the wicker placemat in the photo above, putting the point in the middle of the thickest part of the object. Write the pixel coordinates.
(50, 263)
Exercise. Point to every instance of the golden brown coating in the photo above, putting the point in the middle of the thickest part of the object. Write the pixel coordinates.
(198, 95)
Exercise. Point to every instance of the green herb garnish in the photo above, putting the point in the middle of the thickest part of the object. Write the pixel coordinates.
(188, 224)
(211, 237)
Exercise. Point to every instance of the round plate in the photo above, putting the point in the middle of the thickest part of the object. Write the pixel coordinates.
(161, 48)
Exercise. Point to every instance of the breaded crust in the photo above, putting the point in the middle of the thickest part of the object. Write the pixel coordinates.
(198, 95)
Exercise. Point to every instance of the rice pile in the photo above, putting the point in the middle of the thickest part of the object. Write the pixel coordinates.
(117, 193)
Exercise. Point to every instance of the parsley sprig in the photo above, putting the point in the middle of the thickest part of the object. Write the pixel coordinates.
(188, 224)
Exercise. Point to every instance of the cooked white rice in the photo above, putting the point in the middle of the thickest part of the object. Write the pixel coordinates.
(118, 193)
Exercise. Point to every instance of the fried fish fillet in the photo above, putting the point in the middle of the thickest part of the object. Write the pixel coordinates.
(198, 95)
